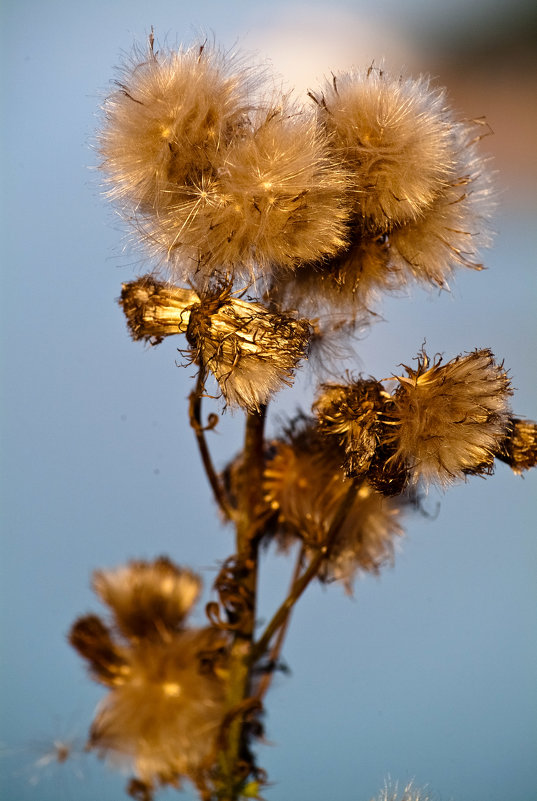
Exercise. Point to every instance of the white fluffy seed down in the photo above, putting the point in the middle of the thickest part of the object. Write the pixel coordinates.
(395, 136)
(167, 119)
(273, 196)
(453, 230)
(163, 720)
(450, 420)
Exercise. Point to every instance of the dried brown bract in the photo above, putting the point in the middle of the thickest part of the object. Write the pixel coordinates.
(519, 448)
(352, 412)
(251, 351)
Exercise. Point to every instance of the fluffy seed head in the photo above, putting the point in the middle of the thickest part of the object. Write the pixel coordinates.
(166, 120)
(449, 420)
(305, 484)
(167, 682)
(148, 598)
(455, 227)
(162, 723)
(274, 196)
(395, 135)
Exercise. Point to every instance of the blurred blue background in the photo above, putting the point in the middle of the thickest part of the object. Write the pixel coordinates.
(430, 671)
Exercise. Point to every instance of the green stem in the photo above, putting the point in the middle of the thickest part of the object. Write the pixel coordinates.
(248, 521)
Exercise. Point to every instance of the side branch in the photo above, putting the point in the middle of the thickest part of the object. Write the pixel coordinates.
(199, 431)
(282, 614)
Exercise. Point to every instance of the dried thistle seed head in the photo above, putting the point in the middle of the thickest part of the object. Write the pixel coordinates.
(166, 120)
(395, 136)
(251, 351)
(148, 599)
(449, 420)
(274, 196)
(352, 412)
(164, 721)
(107, 659)
(155, 310)
(305, 484)
(519, 448)
(455, 227)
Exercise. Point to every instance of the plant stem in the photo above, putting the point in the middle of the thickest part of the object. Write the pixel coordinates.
(248, 519)
(199, 431)
(281, 615)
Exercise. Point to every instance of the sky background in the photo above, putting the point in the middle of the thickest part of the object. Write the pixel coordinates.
(428, 673)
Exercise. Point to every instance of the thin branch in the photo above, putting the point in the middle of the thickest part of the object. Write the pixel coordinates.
(281, 615)
(199, 431)
(276, 649)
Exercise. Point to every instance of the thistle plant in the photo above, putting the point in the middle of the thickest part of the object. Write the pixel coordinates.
(273, 228)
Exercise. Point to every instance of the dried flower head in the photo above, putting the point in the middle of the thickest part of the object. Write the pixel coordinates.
(167, 682)
(305, 483)
(148, 599)
(251, 351)
(352, 413)
(395, 136)
(449, 420)
(162, 722)
(519, 448)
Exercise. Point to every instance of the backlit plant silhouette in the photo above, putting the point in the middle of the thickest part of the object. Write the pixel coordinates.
(274, 228)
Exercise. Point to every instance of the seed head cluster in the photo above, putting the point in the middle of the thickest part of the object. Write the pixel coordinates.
(166, 681)
(305, 484)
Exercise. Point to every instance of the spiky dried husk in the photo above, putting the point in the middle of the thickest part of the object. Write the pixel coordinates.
(519, 448)
(274, 196)
(148, 599)
(395, 136)
(163, 721)
(251, 350)
(449, 420)
(305, 483)
(155, 310)
(352, 413)
(455, 227)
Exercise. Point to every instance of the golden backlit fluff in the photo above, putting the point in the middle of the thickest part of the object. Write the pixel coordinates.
(449, 420)
(212, 176)
(167, 682)
(251, 351)
(165, 122)
(305, 484)
(273, 196)
(395, 136)
(452, 231)
(148, 599)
